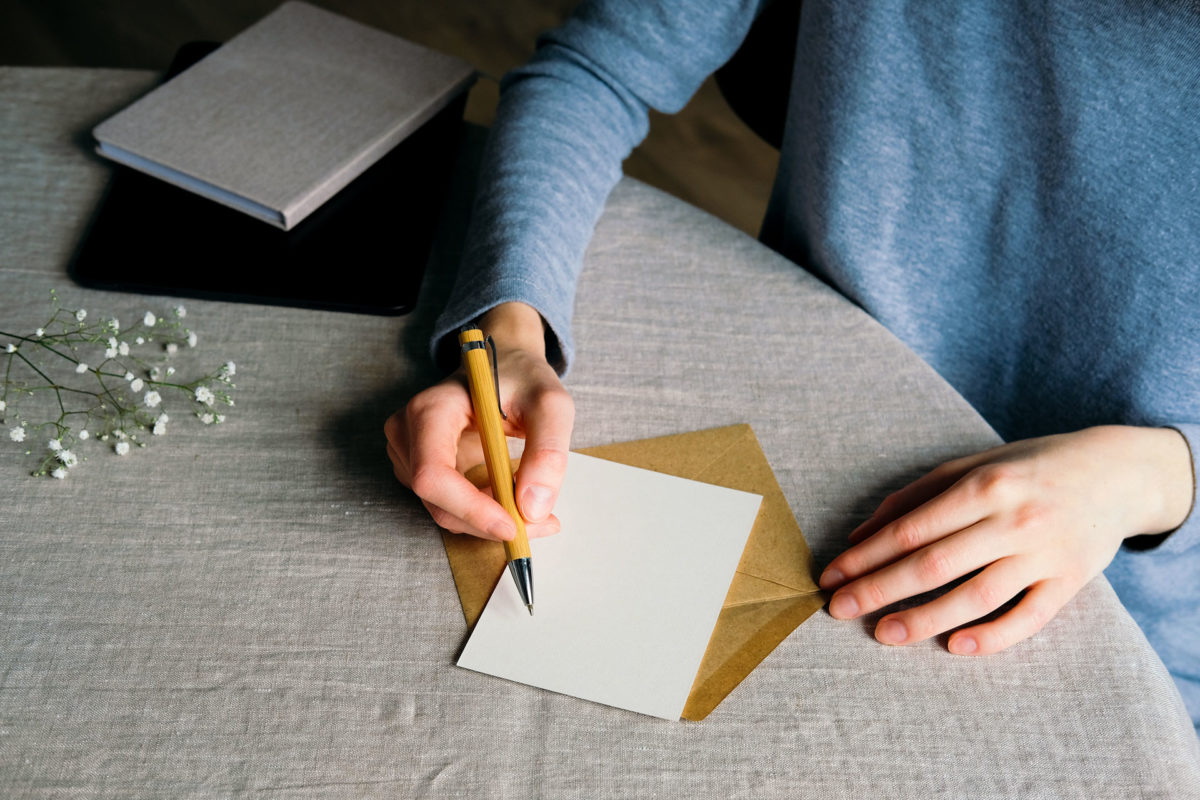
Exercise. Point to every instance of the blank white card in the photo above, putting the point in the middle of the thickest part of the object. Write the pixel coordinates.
(626, 595)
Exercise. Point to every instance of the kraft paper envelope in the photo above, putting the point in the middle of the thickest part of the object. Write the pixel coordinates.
(772, 592)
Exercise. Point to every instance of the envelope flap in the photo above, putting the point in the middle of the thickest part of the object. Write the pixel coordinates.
(746, 588)
(682, 454)
(477, 565)
(743, 637)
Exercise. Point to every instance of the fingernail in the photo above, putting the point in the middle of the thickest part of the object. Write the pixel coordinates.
(843, 606)
(503, 529)
(891, 631)
(963, 645)
(536, 502)
(831, 577)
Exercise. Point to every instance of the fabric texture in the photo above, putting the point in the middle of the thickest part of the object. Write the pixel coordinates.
(1011, 189)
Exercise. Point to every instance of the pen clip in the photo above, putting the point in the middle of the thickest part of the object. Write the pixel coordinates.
(488, 341)
(495, 374)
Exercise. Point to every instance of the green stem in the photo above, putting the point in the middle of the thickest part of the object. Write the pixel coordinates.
(108, 393)
(7, 372)
(61, 388)
(53, 385)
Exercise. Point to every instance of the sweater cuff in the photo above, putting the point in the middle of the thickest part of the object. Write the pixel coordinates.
(1187, 535)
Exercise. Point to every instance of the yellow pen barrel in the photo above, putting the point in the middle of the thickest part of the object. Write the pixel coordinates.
(486, 401)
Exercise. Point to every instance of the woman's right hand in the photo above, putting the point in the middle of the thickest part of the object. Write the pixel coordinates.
(432, 441)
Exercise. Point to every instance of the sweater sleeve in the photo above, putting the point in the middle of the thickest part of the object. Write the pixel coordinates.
(565, 122)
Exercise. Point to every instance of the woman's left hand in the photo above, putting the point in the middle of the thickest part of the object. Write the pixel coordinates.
(1041, 516)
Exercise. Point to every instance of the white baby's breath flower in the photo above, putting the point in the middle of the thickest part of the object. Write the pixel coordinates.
(109, 410)
(3, 405)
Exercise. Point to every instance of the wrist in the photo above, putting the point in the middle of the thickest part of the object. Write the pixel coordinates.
(1166, 462)
(515, 326)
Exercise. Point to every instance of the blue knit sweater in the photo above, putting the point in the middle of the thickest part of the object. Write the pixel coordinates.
(1012, 188)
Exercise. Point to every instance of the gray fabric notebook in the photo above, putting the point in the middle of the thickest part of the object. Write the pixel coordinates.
(286, 113)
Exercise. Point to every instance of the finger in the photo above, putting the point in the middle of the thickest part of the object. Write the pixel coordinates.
(457, 505)
(453, 524)
(399, 465)
(547, 527)
(393, 428)
(899, 503)
(1027, 617)
(544, 461)
(915, 494)
(994, 586)
(927, 569)
(437, 402)
(435, 479)
(964, 504)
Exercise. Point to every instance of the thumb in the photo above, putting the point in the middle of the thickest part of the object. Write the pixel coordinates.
(544, 462)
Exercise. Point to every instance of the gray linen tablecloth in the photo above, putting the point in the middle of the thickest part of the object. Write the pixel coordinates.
(257, 608)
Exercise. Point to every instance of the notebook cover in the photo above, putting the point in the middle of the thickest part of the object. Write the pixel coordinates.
(285, 114)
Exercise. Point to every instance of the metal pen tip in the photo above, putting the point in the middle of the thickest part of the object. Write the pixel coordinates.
(530, 607)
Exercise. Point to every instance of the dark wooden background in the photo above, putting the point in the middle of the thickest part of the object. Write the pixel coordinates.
(704, 154)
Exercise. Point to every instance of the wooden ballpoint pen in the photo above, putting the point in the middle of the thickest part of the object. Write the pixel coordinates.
(485, 399)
